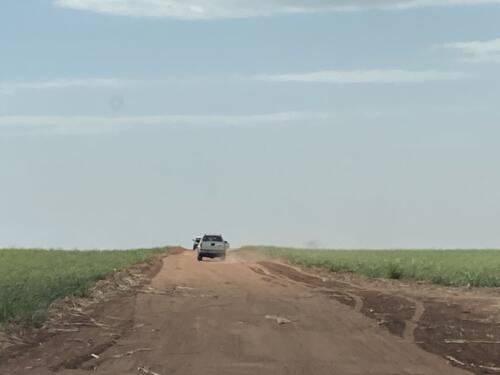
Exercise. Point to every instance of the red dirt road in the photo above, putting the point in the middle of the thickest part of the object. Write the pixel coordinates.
(222, 318)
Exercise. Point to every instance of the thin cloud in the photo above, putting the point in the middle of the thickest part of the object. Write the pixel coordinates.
(409, 4)
(364, 76)
(106, 124)
(12, 87)
(327, 76)
(478, 51)
(9, 87)
(212, 9)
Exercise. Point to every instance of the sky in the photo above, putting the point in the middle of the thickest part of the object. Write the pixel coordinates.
(319, 123)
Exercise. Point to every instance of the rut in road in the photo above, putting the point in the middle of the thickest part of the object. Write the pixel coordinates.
(218, 317)
(350, 294)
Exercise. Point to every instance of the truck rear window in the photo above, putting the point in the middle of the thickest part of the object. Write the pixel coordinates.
(213, 238)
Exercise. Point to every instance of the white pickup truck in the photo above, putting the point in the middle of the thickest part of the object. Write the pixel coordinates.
(212, 246)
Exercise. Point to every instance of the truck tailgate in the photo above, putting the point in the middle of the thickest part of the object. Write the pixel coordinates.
(213, 246)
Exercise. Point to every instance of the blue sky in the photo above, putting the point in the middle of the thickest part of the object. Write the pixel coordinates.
(354, 124)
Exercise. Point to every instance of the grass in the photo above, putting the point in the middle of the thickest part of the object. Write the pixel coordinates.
(30, 280)
(479, 268)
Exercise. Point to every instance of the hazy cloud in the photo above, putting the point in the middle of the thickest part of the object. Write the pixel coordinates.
(364, 76)
(478, 51)
(12, 87)
(209, 9)
(328, 76)
(105, 124)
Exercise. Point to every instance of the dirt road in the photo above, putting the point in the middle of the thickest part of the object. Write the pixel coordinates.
(232, 318)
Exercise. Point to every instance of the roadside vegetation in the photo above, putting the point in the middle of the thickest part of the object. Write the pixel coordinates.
(480, 268)
(30, 280)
